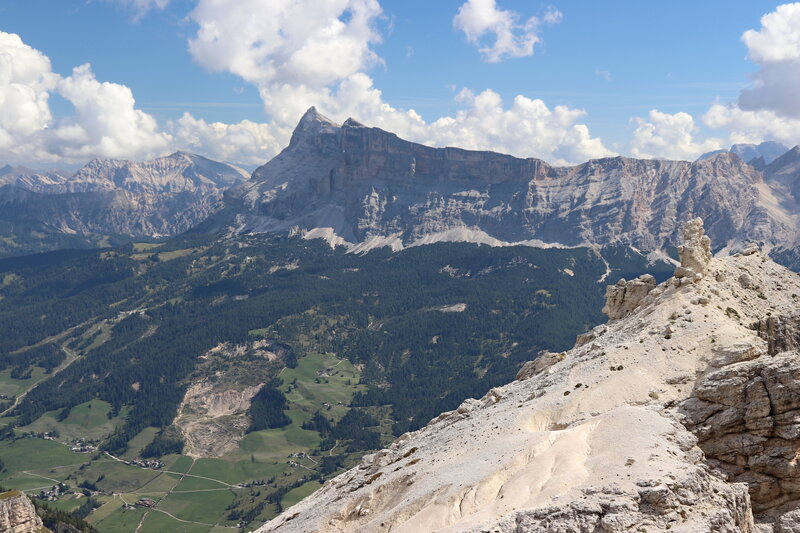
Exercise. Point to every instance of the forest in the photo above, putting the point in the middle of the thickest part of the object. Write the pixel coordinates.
(429, 326)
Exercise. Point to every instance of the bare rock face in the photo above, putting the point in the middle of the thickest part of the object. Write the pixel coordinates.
(694, 251)
(213, 419)
(538, 365)
(782, 333)
(747, 417)
(367, 187)
(625, 296)
(17, 514)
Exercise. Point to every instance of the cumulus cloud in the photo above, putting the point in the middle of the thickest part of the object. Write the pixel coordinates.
(315, 52)
(307, 43)
(25, 84)
(482, 21)
(297, 54)
(669, 136)
(105, 123)
(775, 48)
(526, 128)
(246, 142)
(753, 126)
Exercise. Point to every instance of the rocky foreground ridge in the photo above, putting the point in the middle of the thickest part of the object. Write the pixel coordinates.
(165, 196)
(366, 187)
(681, 414)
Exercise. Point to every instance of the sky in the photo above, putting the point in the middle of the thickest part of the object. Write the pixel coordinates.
(565, 81)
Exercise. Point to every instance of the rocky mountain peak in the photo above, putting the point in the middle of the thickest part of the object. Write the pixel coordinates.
(789, 159)
(163, 196)
(352, 123)
(311, 124)
(681, 414)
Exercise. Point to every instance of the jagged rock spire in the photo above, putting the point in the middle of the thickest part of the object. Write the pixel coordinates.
(694, 251)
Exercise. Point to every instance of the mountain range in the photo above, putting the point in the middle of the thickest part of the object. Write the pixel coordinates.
(219, 352)
(364, 187)
(758, 155)
(109, 198)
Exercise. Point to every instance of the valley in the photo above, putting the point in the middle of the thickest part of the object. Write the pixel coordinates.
(179, 352)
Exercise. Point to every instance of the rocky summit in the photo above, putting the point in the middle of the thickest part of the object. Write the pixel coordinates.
(682, 413)
(365, 187)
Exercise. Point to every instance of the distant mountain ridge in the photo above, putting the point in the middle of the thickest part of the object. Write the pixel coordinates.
(365, 187)
(156, 198)
(767, 152)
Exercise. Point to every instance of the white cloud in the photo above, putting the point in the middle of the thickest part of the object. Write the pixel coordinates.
(778, 39)
(753, 126)
(526, 128)
(479, 19)
(105, 123)
(246, 142)
(669, 136)
(297, 54)
(314, 52)
(309, 43)
(769, 110)
(605, 74)
(775, 48)
(25, 84)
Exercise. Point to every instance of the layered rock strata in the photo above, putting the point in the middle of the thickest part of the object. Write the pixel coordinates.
(367, 187)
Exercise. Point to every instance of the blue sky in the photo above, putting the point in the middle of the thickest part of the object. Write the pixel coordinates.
(616, 61)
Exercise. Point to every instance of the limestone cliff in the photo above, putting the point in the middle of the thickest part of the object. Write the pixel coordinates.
(680, 414)
(368, 187)
(17, 514)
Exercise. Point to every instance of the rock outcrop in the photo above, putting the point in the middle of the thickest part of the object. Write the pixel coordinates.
(672, 417)
(17, 514)
(366, 187)
(782, 333)
(694, 251)
(625, 296)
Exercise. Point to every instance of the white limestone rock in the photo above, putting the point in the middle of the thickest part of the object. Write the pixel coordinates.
(17, 514)
(625, 296)
(694, 251)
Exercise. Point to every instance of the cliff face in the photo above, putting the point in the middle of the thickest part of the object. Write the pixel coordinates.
(680, 414)
(369, 186)
(17, 514)
(165, 196)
